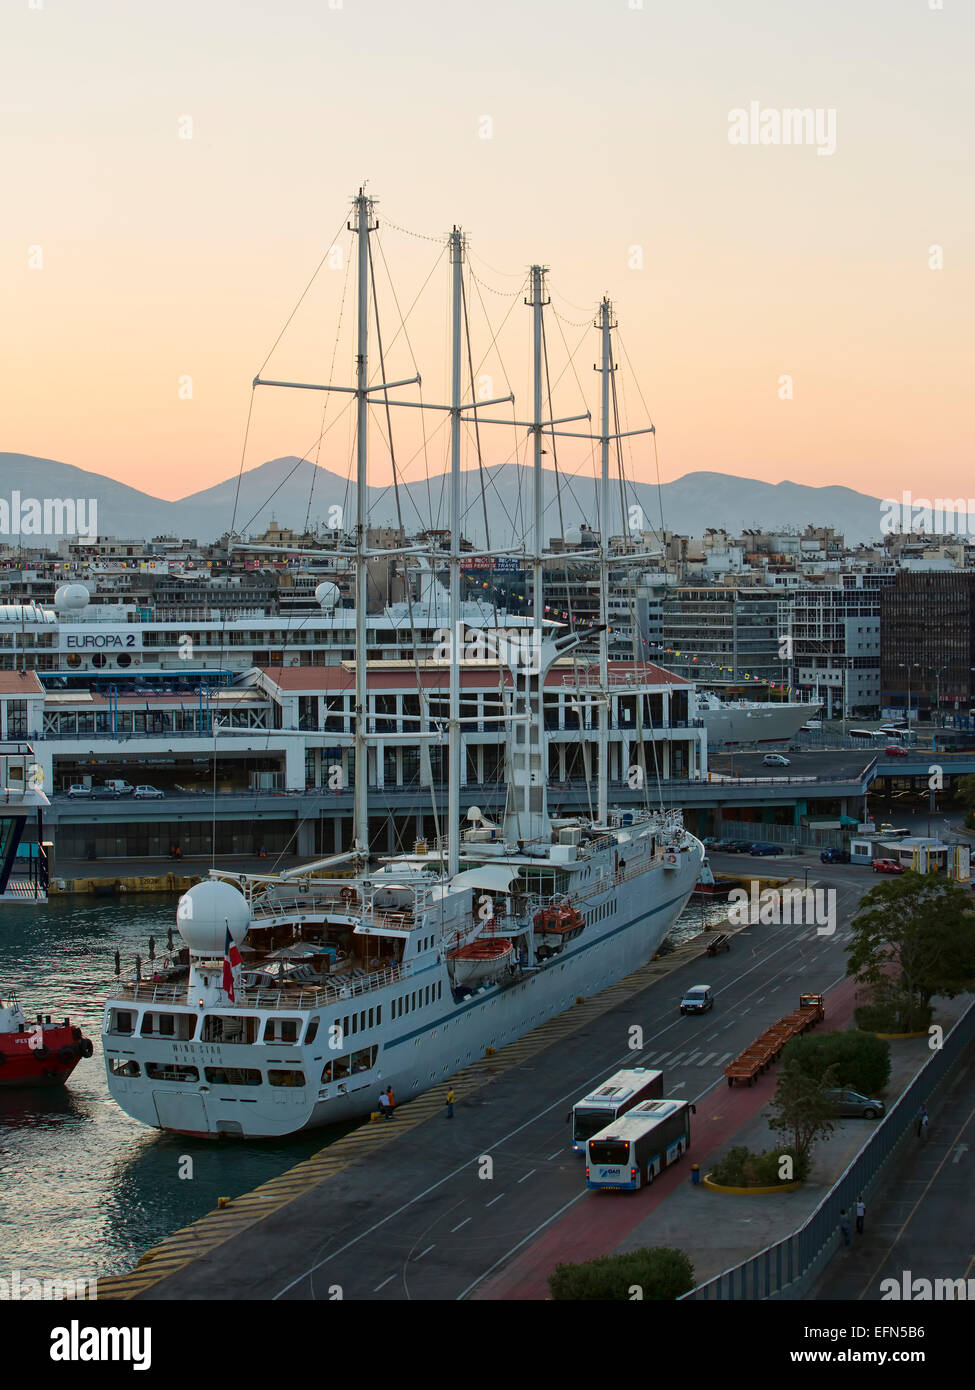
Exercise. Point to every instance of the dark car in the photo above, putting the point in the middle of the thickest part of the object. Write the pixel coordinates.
(835, 856)
(852, 1103)
(739, 846)
(766, 849)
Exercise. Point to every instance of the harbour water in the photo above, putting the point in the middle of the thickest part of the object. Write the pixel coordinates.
(84, 1189)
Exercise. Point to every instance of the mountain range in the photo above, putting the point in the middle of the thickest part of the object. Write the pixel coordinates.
(291, 491)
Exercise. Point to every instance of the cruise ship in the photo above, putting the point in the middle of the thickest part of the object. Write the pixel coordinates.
(733, 722)
(299, 996)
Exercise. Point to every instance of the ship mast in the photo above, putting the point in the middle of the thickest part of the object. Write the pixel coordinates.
(360, 813)
(604, 324)
(453, 717)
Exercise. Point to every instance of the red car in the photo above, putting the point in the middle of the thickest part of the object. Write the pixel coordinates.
(894, 750)
(887, 866)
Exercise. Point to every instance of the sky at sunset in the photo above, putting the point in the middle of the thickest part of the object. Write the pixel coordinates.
(141, 266)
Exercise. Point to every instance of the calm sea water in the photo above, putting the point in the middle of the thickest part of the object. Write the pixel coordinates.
(84, 1189)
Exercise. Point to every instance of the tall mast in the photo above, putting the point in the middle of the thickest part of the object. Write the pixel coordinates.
(453, 724)
(537, 303)
(604, 324)
(363, 214)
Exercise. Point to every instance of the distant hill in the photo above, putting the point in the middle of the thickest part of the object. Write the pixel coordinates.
(282, 489)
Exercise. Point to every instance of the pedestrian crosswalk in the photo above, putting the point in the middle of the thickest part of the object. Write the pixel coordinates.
(686, 1059)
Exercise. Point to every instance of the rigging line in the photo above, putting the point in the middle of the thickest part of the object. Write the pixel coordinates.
(420, 236)
(571, 303)
(403, 319)
(331, 244)
(477, 426)
(502, 294)
(303, 459)
(636, 380)
(508, 274)
(399, 518)
(327, 394)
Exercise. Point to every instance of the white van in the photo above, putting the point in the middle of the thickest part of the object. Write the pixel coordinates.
(697, 1000)
(116, 786)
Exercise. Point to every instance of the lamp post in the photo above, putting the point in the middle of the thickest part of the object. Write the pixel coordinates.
(908, 665)
(937, 680)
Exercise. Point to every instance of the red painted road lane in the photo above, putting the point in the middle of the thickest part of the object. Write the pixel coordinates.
(602, 1220)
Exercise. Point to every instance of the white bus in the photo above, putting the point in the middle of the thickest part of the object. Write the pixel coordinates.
(637, 1147)
(613, 1098)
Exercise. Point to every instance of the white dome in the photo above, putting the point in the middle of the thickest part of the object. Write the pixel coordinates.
(71, 596)
(573, 536)
(327, 594)
(207, 911)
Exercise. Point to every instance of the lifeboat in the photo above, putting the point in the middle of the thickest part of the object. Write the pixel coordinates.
(481, 961)
(37, 1054)
(558, 925)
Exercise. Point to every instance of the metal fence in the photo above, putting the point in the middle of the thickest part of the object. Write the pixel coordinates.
(786, 1269)
(786, 835)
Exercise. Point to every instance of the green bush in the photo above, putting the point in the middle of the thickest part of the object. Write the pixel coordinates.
(893, 1018)
(656, 1273)
(741, 1168)
(860, 1060)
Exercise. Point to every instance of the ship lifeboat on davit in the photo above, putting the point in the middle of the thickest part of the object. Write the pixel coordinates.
(557, 925)
(481, 961)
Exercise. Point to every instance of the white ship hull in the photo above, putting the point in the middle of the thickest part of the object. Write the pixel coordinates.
(755, 723)
(419, 1050)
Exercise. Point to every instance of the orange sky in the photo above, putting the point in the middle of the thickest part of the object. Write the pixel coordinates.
(162, 258)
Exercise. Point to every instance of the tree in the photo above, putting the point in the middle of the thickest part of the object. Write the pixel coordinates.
(655, 1273)
(861, 1060)
(802, 1109)
(923, 926)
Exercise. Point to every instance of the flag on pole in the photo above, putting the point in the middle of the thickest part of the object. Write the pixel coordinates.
(231, 959)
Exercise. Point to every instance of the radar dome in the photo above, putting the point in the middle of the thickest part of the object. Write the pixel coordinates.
(71, 597)
(327, 595)
(207, 912)
(573, 536)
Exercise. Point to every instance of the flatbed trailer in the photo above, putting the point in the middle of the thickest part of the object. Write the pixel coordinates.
(768, 1047)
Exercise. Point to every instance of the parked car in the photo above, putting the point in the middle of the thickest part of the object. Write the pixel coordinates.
(813, 724)
(887, 866)
(835, 856)
(766, 849)
(145, 793)
(79, 790)
(894, 750)
(852, 1103)
(697, 1000)
(739, 846)
(776, 760)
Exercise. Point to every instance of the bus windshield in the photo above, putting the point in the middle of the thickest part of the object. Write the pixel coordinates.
(609, 1151)
(590, 1122)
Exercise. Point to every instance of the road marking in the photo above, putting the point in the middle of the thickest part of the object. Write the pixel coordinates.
(762, 997)
(724, 1058)
(690, 1058)
(555, 1155)
(493, 1200)
(531, 1234)
(459, 1224)
(663, 1057)
(675, 1059)
(704, 1060)
(383, 1284)
(527, 1175)
(426, 1251)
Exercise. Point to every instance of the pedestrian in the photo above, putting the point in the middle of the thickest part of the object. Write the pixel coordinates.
(922, 1116)
(118, 961)
(450, 1102)
(861, 1211)
(384, 1105)
(179, 852)
(845, 1226)
(152, 948)
(391, 1099)
(923, 1130)
(138, 968)
(169, 940)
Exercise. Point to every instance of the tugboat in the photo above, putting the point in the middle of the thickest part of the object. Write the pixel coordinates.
(37, 1054)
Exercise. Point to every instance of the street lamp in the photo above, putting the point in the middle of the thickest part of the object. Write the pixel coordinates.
(908, 665)
(937, 677)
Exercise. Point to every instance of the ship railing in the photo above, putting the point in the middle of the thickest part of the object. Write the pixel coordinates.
(285, 998)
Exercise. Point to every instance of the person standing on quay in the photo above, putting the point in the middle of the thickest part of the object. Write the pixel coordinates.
(450, 1102)
(861, 1211)
(384, 1105)
(391, 1101)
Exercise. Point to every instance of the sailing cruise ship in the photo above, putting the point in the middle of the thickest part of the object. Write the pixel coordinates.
(301, 995)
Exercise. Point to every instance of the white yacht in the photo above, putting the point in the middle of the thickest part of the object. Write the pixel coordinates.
(751, 721)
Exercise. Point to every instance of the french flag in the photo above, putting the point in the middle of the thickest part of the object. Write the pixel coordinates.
(231, 959)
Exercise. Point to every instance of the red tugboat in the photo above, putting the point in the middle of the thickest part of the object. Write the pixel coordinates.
(37, 1054)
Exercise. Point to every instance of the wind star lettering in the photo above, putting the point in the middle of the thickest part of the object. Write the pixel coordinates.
(50, 516)
(77, 1343)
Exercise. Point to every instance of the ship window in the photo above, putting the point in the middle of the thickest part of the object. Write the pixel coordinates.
(355, 1023)
(124, 1066)
(170, 1071)
(312, 1032)
(286, 1078)
(232, 1076)
(283, 1030)
(370, 1017)
(379, 1014)
(121, 1021)
(345, 1026)
(364, 1059)
(362, 1020)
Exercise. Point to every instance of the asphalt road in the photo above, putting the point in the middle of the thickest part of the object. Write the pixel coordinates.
(848, 764)
(446, 1206)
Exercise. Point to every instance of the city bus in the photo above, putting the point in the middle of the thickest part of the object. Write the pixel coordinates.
(610, 1100)
(636, 1148)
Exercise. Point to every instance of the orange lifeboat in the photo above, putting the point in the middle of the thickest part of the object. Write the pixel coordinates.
(482, 960)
